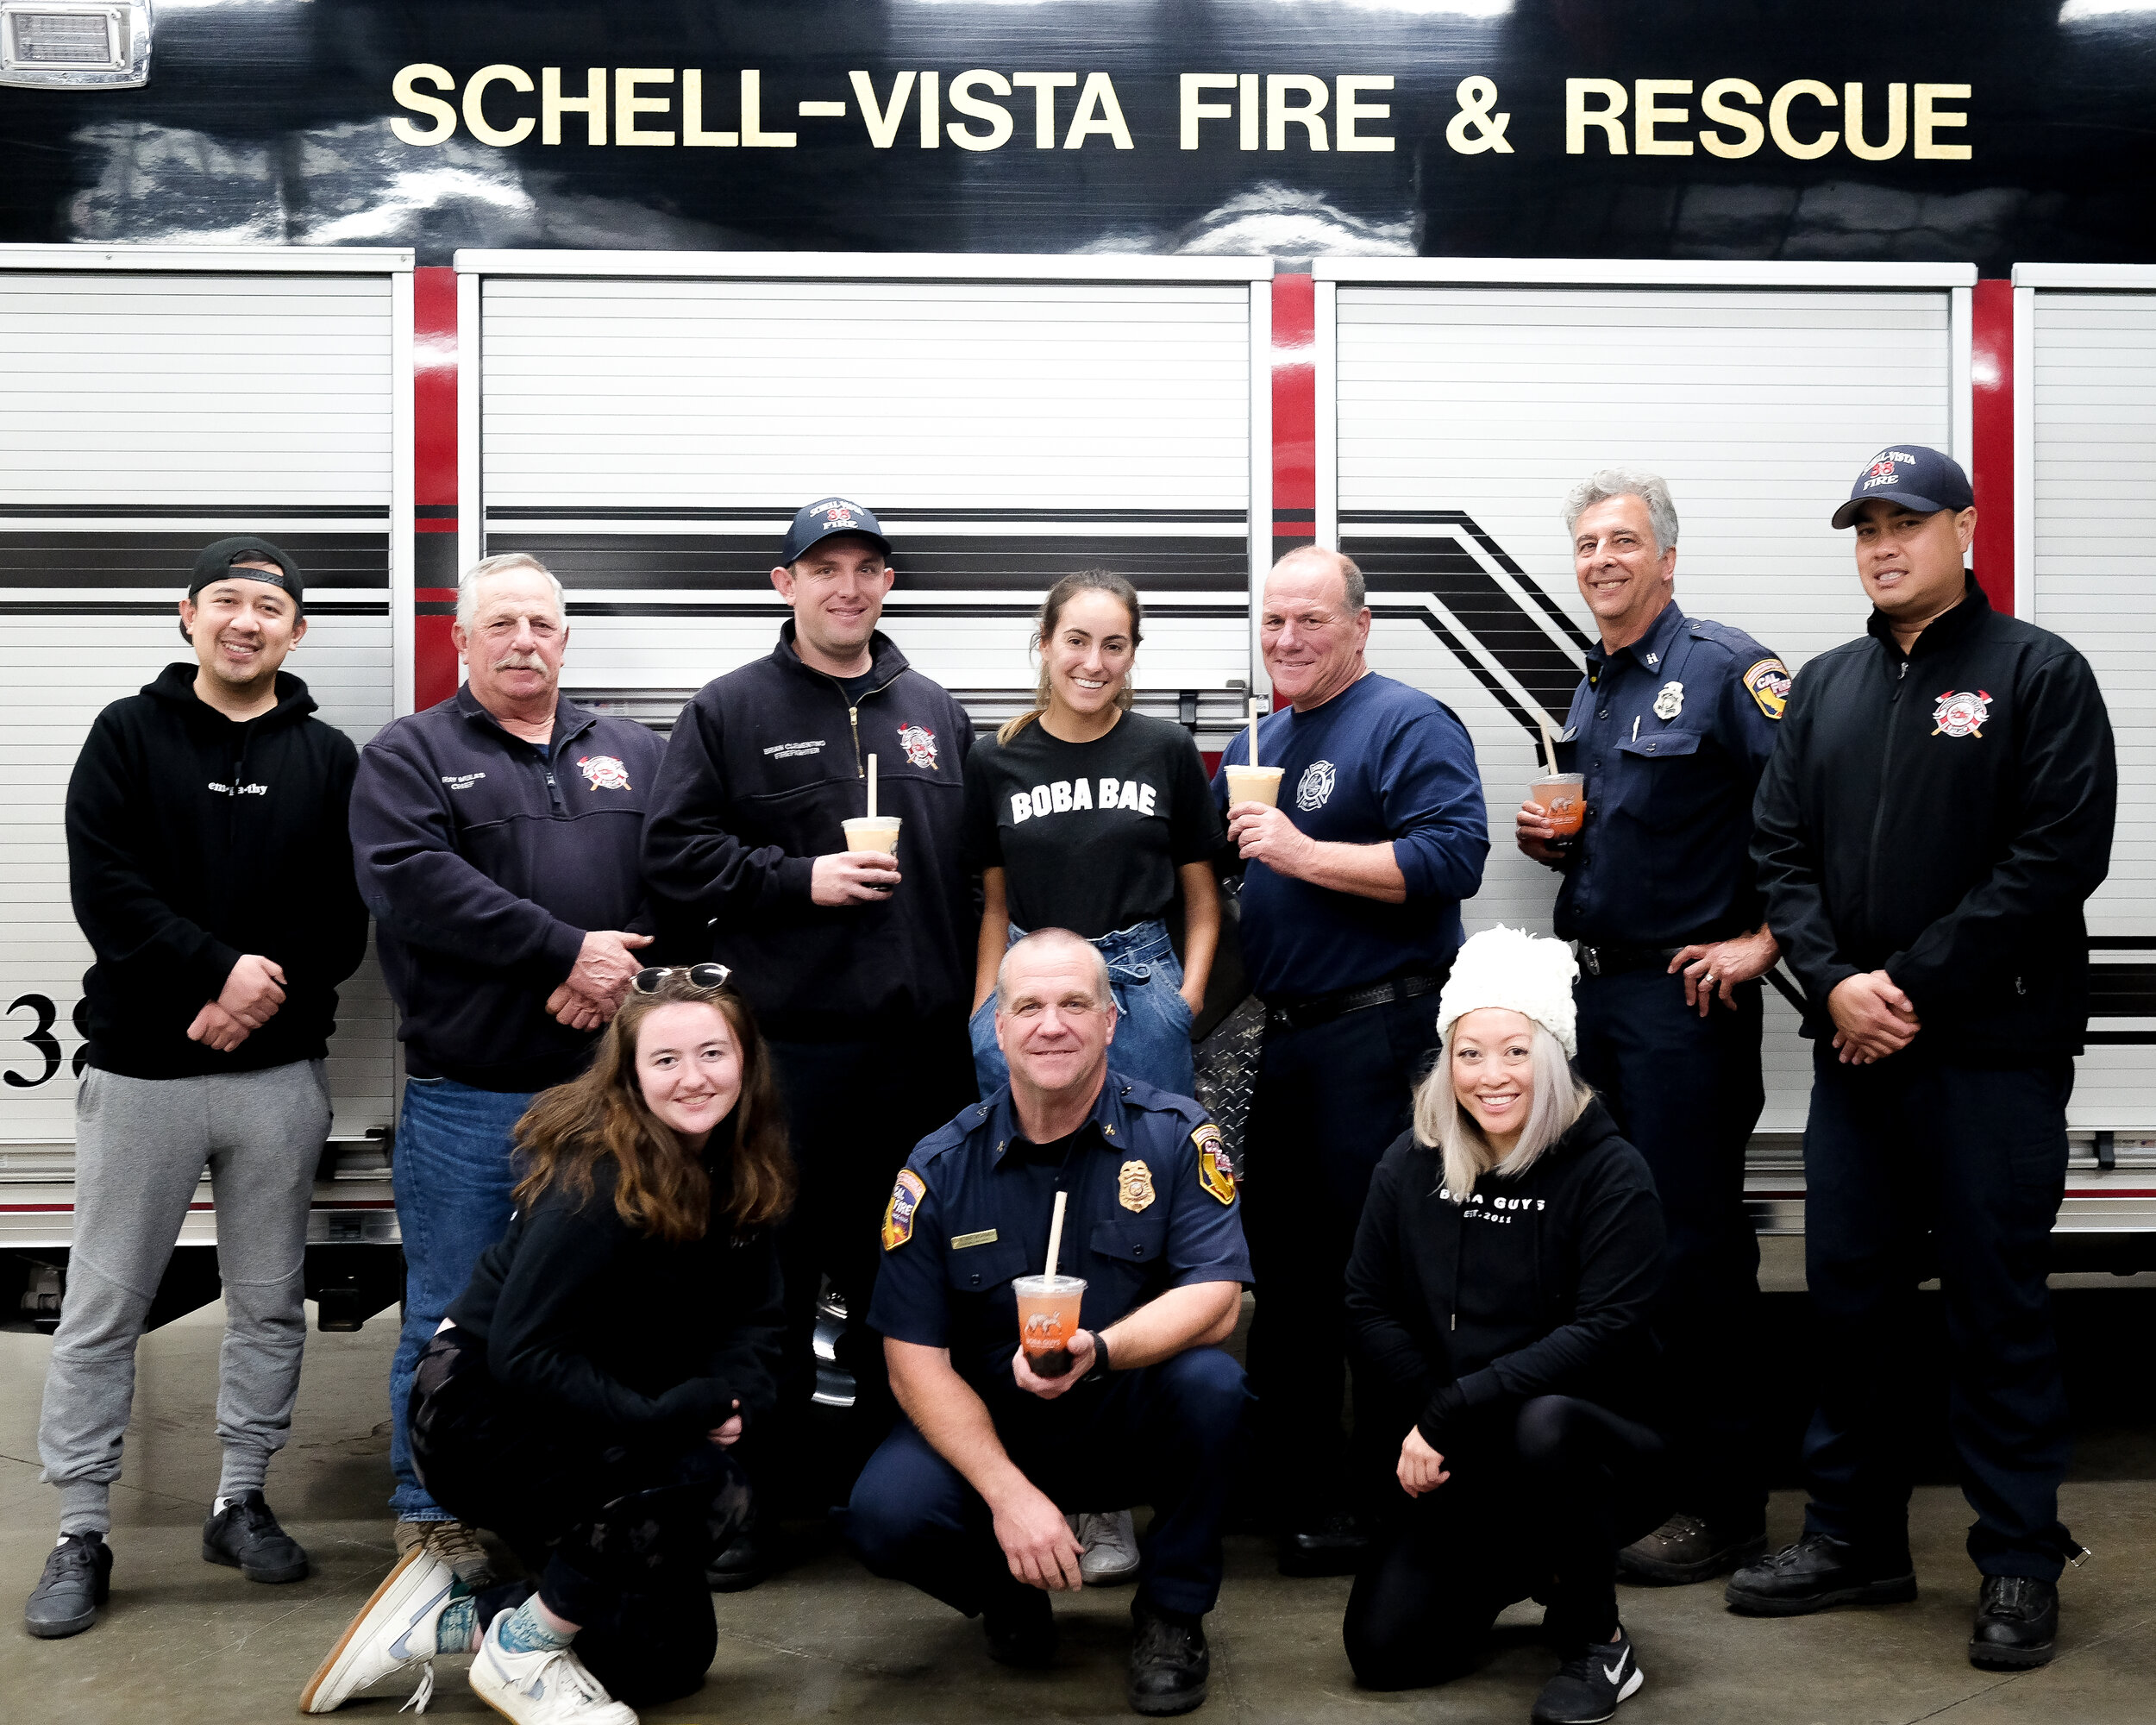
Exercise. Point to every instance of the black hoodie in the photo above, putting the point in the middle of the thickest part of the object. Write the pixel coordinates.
(193, 840)
(1537, 1285)
(763, 765)
(1942, 815)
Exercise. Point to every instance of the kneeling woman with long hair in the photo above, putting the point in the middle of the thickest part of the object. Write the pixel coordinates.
(1499, 1293)
(582, 1394)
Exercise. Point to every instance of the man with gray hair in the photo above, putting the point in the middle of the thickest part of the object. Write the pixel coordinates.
(498, 838)
(1670, 729)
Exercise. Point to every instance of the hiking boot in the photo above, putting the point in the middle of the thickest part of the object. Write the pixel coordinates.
(457, 1543)
(1687, 1548)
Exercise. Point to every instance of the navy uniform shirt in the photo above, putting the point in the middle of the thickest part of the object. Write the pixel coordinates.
(1153, 1206)
(1379, 761)
(1672, 733)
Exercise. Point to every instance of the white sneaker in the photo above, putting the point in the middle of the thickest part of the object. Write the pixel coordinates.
(550, 1687)
(457, 1543)
(1110, 1547)
(394, 1629)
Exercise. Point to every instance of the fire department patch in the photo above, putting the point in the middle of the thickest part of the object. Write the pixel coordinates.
(605, 772)
(1962, 714)
(898, 1215)
(919, 744)
(1216, 1169)
(1768, 684)
(1134, 1186)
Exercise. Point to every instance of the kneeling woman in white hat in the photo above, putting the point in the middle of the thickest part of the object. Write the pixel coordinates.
(1499, 1293)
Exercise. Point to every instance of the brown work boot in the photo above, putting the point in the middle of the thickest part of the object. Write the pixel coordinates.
(457, 1543)
(1687, 1548)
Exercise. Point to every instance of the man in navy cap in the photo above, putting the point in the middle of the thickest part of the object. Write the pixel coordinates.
(859, 962)
(1938, 809)
(1670, 728)
(966, 1498)
(209, 870)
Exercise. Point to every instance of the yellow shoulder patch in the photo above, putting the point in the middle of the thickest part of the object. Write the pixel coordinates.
(1768, 684)
(1216, 1168)
(898, 1215)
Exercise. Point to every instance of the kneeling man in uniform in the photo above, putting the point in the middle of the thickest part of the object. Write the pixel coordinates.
(967, 1498)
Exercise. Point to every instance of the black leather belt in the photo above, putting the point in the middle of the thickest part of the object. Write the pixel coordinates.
(1612, 958)
(1324, 1008)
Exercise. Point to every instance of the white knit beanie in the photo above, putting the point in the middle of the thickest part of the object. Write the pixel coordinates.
(1522, 972)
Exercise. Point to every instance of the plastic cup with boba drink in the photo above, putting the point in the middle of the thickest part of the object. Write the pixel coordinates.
(873, 832)
(1250, 782)
(1049, 1307)
(1562, 800)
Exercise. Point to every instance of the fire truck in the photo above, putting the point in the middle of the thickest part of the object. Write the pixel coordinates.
(1165, 289)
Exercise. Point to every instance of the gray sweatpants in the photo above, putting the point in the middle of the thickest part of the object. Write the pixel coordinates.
(141, 1147)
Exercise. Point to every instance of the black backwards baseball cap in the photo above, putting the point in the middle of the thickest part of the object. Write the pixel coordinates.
(1912, 476)
(215, 564)
(819, 521)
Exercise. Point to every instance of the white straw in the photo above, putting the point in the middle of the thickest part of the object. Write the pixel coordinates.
(1253, 733)
(872, 788)
(1055, 1234)
(1549, 744)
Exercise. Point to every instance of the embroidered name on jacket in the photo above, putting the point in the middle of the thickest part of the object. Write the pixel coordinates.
(788, 751)
(238, 790)
(1066, 796)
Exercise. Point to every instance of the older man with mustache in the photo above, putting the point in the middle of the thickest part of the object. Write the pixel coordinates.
(497, 839)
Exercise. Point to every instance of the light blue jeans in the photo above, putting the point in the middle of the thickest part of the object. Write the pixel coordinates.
(453, 1173)
(1152, 1022)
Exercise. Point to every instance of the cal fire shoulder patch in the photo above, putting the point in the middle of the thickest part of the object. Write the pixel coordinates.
(1768, 684)
(898, 1215)
(1216, 1168)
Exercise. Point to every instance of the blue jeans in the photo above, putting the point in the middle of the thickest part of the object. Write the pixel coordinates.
(1152, 1022)
(452, 1172)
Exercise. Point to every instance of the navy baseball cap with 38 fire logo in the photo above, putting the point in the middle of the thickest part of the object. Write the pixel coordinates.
(820, 520)
(1910, 476)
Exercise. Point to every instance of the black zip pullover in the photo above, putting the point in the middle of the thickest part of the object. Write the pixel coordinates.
(763, 765)
(1942, 816)
(1537, 1285)
(193, 840)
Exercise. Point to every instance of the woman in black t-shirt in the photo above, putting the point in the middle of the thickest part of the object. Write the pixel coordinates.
(584, 1395)
(1082, 814)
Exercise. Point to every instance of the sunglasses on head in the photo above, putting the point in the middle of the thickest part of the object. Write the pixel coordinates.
(647, 980)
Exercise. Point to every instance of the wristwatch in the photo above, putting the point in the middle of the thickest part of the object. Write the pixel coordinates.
(1100, 1357)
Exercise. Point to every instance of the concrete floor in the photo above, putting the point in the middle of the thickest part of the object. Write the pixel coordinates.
(186, 1641)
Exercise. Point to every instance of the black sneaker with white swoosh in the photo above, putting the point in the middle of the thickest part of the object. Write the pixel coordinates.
(1589, 1686)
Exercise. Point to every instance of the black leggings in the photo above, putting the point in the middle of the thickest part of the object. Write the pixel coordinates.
(618, 1526)
(1539, 1503)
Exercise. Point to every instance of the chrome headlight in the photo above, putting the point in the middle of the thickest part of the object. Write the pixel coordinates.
(69, 44)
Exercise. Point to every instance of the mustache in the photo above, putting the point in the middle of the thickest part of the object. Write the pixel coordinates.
(520, 661)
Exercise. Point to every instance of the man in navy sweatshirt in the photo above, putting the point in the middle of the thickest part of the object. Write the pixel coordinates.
(208, 866)
(1350, 918)
(496, 838)
(859, 963)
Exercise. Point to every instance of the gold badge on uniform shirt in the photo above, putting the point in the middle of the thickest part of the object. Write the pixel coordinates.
(1134, 1186)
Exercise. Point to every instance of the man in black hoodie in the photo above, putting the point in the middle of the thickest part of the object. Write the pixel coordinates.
(859, 963)
(1938, 809)
(210, 870)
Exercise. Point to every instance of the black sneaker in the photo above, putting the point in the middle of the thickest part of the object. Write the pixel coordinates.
(1818, 1572)
(2017, 1623)
(1687, 1548)
(1589, 1684)
(244, 1535)
(1334, 1546)
(1021, 1626)
(1170, 1661)
(78, 1579)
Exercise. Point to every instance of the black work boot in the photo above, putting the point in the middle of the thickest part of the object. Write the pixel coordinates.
(244, 1535)
(78, 1579)
(1020, 1625)
(1687, 1548)
(1169, 1661)
(1818, 1572)
(750, 1558)
(2017, 1623)
(1334, 1545)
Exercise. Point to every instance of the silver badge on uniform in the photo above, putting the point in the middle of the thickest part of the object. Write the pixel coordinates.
(1671, 702)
